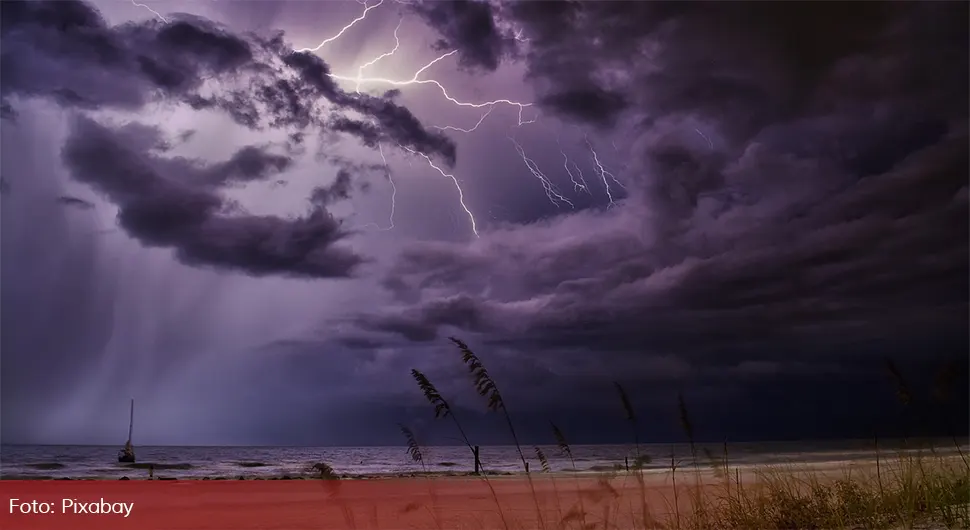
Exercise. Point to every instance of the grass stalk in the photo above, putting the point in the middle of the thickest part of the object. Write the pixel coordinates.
(416, 455)
(567, 451)
(486, 387)
(631, 417)
(914, 488)
(443, 409)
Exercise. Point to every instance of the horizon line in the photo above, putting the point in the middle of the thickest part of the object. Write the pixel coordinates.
(299, 446)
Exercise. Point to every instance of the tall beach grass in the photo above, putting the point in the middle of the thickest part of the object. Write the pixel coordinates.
(914, 488)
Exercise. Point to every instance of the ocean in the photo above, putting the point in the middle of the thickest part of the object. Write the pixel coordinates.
(77, 462)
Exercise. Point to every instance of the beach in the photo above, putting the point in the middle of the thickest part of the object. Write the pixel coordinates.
(457, 502)
(615, 501)
(842, 485)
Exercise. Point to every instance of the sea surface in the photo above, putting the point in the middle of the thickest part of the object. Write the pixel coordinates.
(65, 461)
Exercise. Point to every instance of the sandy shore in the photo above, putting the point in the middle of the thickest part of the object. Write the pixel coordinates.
(616, 500)
(390, 504)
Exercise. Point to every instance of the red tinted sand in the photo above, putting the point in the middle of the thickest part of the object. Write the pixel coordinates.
(388, 504)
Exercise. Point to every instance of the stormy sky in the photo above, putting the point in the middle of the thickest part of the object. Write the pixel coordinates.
(255, 218)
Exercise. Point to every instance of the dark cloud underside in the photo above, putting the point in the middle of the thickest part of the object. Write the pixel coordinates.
(66, 52)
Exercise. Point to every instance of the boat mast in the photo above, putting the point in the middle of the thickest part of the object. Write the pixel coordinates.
(131, 419)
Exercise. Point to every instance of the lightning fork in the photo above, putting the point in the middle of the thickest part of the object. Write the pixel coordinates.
(603, 172)
(415, 80)
(343, 30)
(472, 129)
(577, 185)
(551, 192)
(397, 44)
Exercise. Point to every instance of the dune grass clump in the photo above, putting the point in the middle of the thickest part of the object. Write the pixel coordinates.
(921, 492)
(917, 488)
(442, 409)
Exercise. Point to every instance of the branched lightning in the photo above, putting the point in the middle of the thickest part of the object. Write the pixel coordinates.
(551, 192)
(415, 80)
(397, 44)
(603, 172)
(344, 29)
(488, 105)
(472, 129)
(554, 196)
(579, 185)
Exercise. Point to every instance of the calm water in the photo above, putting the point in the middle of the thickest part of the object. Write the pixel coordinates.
(50, 461)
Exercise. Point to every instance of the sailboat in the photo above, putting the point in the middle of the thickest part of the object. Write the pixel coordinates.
(127, 455)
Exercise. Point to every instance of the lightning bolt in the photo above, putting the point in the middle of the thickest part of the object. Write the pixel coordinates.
(551, 192)
(472, 129)
(397, 44)
(704, 136)
(577, 185)
(461, 193)
(415, 80)
(488, 105)
(160, 17)
(390, 179)
(572, 169)
(603, 172)
(344, 29)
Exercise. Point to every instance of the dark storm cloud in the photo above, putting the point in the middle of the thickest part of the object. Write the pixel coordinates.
(821, 220)
(169, 211)
(312, 70)
(795, 209)
(367, 133)
(593, 105)
(337, 191)
(774, 61)
(248, 164)
(399, 125)
(388, 120)
(468, 26)
(66, 52)
(96, 65)
(421, 324)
